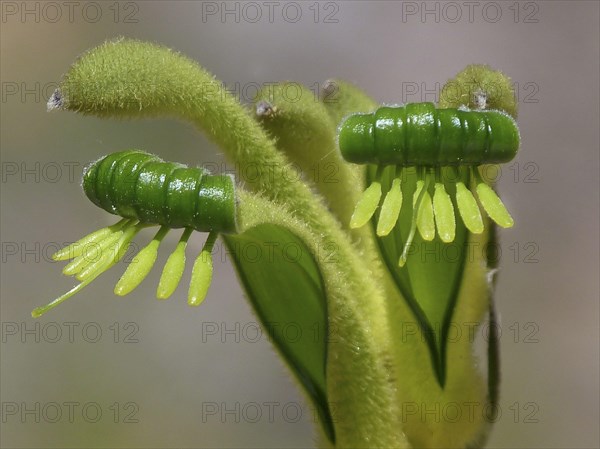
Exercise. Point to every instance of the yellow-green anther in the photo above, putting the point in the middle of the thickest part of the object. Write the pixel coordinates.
(77, 248)
(202, 273)
(493, 206)
(444, 213)
(201, 279)
(102, 264)
(424, 209)
(390, 209)
(173, 270)
(141, 265)
(111, 256)
(365, 208)
(92, 254)
(468, 208)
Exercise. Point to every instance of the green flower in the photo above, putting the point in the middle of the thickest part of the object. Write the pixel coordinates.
(346, 278)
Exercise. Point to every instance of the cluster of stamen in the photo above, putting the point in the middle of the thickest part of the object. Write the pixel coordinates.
(430, 214)
(99, 251)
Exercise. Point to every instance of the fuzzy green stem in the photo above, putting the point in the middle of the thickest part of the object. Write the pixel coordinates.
(359, 373)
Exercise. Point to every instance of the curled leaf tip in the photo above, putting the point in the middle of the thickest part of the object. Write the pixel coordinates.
(479, 86)
(55, 101)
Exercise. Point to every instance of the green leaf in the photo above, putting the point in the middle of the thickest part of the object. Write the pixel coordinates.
(359, 374)
(284, 286)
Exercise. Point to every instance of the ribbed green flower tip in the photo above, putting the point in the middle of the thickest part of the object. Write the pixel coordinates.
(141, 186)
(419, 135)
(147, 191)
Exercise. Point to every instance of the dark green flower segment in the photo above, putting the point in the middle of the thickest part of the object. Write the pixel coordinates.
(141, 186)
(418, 134)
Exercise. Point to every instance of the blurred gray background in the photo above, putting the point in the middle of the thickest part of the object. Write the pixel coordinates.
(155, 363)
